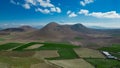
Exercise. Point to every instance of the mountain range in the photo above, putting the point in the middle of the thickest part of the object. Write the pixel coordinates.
(76, 34)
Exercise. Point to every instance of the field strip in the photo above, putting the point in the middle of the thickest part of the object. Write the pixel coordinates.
(46, 54)
(42, 65)
(35, 46)
(17, 53)
(88, 53)
(8, 46)
(13, 48)
(74, 63)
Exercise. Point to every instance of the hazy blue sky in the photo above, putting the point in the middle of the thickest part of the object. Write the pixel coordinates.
(105, 13)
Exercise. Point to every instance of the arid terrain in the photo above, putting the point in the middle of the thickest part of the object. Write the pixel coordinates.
(59, 46)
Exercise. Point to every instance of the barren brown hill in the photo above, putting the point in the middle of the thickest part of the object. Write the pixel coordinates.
(27, 28)
(13, 30)
(21, 29)
(54, 31)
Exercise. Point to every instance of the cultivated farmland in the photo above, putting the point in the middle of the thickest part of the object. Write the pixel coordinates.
(17, 62)
(46, 54)
(42, 65)
(104, 63)
(114, 50)
(65, 50)
(21, 48)
(88, 53)
(9, 46)
(26, 56)
(53, 55)
(73, 63)
(34, 46)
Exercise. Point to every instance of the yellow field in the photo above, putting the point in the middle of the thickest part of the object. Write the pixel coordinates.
(88, 53)
(34, 46)
(74, 63)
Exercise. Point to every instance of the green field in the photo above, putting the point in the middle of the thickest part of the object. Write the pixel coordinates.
(56, 46)
(104, 63)
(113, 48)
(65, 54)
(116, 54)
(47, 46)
(9, 46)
(65, 50)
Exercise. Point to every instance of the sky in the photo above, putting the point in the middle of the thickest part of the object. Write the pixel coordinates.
(102, 13)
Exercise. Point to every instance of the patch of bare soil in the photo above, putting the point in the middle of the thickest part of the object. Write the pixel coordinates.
(46, 54)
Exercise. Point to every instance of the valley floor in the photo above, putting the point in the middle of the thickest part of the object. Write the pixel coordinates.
(53, 55)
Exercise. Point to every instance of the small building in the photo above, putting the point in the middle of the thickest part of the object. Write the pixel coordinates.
(108, 55)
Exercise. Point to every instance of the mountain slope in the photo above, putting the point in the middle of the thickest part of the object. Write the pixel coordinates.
(77, 34)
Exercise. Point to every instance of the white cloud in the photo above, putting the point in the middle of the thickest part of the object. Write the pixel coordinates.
(45, 3)
(85, 2)
(68, 12)
(115, 25)
(53, 9)
(110, 14)
(33, 2)
(13, 2)
(82, 11)
(58, 9)
(72, 14)
(45, 11)
(43, 6)
(26, 6)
